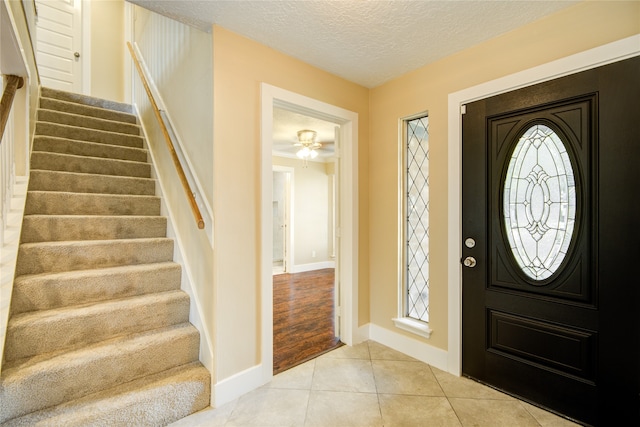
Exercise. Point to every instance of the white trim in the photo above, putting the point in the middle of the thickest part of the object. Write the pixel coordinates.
(236, 385)
(301, 268)
(290, 221)
(85, 42)
(195, 309)
(348, 203)
(410, 346)
(602, 55)
(414, 326)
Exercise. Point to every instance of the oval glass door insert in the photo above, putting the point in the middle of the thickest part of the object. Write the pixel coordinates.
(539, 201)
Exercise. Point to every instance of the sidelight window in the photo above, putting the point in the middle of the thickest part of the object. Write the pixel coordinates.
(414, 213)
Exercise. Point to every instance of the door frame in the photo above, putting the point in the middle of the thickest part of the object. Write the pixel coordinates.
(289, 203)
(348, 201)
(592, 58)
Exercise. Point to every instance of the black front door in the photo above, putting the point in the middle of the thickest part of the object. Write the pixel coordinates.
(551, 222)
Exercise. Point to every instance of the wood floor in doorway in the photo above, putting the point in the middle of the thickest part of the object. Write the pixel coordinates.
(303, 317)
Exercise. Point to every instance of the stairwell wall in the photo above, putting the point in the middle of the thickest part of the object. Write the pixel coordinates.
(178, 60)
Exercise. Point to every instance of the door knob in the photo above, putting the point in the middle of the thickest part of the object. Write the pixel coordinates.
(76, 54)
(469, 262)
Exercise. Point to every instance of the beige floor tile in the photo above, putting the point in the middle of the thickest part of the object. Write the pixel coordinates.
(417, 411)
(403, 377)
(353, 375)
(464, 387)
(298, 377)
(382, 352)
(341, 409)
(492, 413)
(358, 351)
(267, 407)
(546, 418)
(209, 417)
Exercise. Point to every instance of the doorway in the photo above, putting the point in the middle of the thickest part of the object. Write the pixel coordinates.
(346, 218)
(547, 204)
(282, 215)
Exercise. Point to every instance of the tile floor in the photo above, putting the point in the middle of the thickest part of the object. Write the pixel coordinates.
(370, 385)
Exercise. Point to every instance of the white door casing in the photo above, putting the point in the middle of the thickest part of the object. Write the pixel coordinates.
(348, 215)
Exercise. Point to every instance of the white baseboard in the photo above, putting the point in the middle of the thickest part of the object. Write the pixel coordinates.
(235, 386)
(301, 268)
(422, 351)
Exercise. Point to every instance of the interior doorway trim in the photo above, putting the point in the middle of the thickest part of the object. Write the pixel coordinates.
(602, 55)
(289, 217)
(348, 202)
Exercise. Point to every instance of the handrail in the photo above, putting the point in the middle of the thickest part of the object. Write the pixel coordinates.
(13, 84)
(172, 150)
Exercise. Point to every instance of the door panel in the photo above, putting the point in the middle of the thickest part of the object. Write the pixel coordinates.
(550, 175)
(58, 40)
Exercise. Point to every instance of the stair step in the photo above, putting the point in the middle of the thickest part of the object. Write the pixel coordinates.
(89, 135)
(65, 203)
(90, 183)
(86, 110)
(54, 290)
(56, 228)
(42, 160)
(51, 257)
(155, 400)
(86, 122)
(53, 144)
(48, 380)
(39, 332)
(85, 100)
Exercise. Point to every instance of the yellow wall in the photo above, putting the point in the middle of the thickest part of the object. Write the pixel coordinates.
(578, 28)
(107, 49)
(240, 66)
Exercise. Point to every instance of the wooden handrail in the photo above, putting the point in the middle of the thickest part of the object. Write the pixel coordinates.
(172, 150)
(13, 84)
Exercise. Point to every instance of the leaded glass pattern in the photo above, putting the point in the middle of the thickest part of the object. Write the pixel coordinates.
(539, 201)
(417, 225)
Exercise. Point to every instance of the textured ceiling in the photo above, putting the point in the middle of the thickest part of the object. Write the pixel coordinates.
(367, 42)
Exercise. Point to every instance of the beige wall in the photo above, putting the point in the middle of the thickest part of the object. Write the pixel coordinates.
(107, 49)
(240, 66)
(578, 28)
(311, 210)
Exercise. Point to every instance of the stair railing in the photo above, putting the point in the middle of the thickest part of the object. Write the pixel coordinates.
(7, 170)
(174, 155)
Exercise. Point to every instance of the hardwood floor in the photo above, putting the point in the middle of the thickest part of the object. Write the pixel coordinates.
(303, 317)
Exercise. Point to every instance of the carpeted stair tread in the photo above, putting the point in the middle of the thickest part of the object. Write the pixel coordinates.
(85, 100)
(54, 144)
(86, 122)
(90, 183)
(44, 331)
(67, 203)
(100, 366)
(86, 110)
(90, 135)
(155, 400)
(56, 228)
(52, 290)
(43, 257)
(98, 331)
(42, 160)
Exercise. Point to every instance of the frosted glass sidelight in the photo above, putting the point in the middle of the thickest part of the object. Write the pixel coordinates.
(539, 202)
(417, 225)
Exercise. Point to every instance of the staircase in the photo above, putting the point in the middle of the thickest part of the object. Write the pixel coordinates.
(99, 330)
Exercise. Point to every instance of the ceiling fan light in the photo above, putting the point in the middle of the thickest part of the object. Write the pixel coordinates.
(313, 154)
